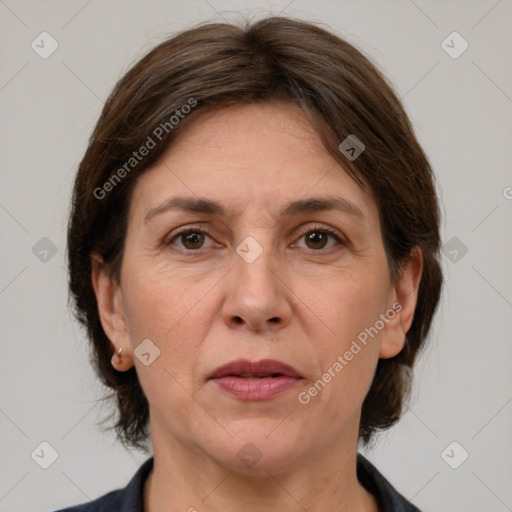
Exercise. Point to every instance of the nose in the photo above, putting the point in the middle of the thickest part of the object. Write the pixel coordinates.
(257, 296)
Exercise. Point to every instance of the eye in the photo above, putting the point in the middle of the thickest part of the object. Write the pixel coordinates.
(191, 239)
(317, 238)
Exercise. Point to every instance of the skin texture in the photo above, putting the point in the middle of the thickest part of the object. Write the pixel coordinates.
(298, 302)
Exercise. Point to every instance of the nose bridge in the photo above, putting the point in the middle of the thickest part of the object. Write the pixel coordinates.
(256, 296)
(255, 265)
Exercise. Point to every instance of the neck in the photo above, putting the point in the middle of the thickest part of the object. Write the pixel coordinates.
(185, 478)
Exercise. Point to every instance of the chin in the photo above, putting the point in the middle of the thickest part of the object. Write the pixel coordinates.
(258, 446)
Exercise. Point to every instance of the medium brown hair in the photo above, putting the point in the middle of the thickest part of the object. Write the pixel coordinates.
(216, 65)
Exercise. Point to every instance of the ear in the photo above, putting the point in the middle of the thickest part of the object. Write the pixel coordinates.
(404, 296)
(111, 312)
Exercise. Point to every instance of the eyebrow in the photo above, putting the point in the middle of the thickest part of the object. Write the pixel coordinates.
(203, 205)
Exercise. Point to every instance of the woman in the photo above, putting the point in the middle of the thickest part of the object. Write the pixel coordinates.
(254, 252)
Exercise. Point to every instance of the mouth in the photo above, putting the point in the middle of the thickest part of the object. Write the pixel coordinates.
(259, 380)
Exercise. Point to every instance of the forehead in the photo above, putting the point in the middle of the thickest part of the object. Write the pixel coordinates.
(259, 155)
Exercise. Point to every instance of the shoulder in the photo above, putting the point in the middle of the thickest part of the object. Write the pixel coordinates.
(110, 501)
(388, 498)
(129, 499)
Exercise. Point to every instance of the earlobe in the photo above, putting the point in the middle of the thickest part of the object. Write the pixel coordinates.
(111, 313)
(121, 362)
(405, 295)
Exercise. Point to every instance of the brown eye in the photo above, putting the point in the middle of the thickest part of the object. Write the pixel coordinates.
(192, 240)
(189, 240)
(318, 238)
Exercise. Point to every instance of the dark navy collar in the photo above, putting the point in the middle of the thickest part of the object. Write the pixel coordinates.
(130, 499)
(388, 498)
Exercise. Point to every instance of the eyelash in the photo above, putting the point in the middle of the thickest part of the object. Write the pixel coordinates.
(316, 229)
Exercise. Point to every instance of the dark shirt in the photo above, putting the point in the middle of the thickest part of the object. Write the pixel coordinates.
(130, 499)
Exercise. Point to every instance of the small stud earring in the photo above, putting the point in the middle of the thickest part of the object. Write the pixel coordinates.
(118, 354)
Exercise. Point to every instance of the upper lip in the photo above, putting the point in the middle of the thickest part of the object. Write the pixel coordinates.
(243, 367)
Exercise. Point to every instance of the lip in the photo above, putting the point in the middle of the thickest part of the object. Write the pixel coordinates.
(234, 378)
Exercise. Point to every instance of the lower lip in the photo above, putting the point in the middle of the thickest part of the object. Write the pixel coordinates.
(255, 389)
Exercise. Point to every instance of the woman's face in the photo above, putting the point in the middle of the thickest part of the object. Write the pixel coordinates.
(257, 277)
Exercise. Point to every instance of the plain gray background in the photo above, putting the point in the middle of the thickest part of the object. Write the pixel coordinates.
(461, 109)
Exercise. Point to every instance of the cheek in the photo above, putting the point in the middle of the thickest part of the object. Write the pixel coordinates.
(347, 306)
(347, 303)
(157, 298)
(172, 310)
(166, 310)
